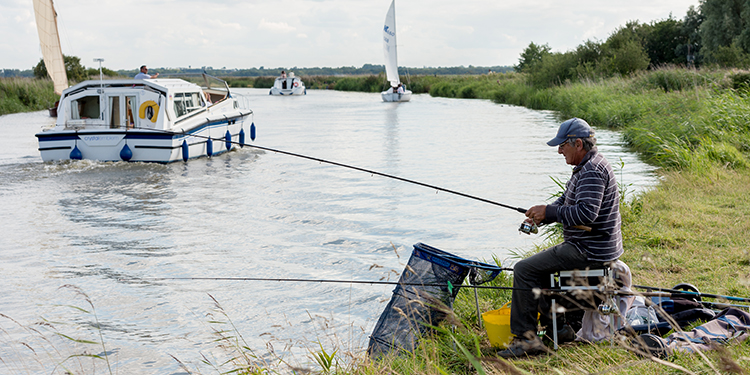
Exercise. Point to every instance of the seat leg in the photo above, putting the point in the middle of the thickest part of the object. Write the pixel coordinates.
(554, 323)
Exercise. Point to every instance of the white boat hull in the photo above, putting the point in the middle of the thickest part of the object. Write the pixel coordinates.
(145, 145)
(390, 96)
(158, 120)
(295, 91)
(288, 86)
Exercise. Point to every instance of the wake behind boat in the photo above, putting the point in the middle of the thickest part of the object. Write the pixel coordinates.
(397, 92)
(151, 120)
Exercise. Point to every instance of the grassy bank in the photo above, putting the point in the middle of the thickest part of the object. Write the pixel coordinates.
(25, 95)
(691, 229)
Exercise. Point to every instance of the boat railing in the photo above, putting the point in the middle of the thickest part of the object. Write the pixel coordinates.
(205, 81)
(243, 101)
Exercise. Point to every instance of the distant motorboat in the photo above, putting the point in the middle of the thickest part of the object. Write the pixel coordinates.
(147, 120)
(288, 86)
(49, 41)
(393, 94)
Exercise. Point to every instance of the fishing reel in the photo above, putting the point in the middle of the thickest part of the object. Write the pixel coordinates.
(528, 228)
(608, 307)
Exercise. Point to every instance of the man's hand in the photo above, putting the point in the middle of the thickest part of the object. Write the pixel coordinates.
(537, 214)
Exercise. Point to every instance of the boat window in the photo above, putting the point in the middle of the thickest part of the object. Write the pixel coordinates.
(179, 104)
(85, 107)
(129, 105)
(187, 102)
(114, 112)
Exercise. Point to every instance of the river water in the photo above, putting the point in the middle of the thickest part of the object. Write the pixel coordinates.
(102, 236)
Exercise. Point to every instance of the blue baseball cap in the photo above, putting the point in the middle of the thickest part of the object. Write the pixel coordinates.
(573, 128)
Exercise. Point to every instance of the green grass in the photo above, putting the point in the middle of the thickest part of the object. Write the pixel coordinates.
(25, 95)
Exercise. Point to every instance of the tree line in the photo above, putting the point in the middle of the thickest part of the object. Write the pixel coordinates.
(77, 72)
(716, 33)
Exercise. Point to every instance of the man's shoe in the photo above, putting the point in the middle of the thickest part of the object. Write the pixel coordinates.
(566, 334)
(520, 347)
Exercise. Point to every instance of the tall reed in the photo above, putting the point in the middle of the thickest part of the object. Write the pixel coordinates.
(25, 95)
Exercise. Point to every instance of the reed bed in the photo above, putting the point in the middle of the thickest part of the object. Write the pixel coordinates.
(25, 95)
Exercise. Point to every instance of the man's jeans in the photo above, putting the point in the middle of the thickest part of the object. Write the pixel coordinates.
(533, 272)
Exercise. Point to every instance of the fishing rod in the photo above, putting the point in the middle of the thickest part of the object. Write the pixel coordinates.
(334, 281)
(686, 292)
(518, 209)
(663, 292)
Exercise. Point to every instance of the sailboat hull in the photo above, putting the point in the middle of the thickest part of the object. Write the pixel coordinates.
(390, 96)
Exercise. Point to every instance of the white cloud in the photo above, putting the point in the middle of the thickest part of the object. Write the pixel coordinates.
(278, 27)
(247, 33)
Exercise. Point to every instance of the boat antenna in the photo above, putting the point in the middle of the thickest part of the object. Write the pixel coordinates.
(99, 60)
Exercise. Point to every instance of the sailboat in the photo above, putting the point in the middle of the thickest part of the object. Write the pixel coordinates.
(49, 40)
(397, 92)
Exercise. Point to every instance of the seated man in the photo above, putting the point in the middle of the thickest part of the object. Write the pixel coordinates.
(589, 210)
(144, 74)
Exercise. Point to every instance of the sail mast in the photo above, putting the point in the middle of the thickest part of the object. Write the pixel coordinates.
(49, 40)
(389, 46)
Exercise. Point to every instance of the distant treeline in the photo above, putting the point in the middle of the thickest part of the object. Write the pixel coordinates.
(367, 69)
(468, 85)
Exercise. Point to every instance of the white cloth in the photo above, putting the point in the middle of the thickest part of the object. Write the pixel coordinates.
(401, 89)
(142, 75)
(596, 327)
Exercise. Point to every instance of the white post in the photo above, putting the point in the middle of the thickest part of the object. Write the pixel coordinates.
(101, 84)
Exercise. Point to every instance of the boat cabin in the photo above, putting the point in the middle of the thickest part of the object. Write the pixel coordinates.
(126, 104)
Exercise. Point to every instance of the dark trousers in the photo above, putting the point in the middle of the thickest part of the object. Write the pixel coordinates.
(533, 272)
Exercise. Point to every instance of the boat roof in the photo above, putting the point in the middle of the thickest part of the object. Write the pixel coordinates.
(160, 84)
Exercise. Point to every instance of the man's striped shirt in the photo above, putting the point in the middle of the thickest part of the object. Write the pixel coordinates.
(591, 198)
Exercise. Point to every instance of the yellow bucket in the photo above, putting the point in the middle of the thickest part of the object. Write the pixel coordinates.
(497, 324)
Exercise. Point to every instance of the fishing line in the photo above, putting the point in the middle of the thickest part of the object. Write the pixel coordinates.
(519, 209)
(661, 293)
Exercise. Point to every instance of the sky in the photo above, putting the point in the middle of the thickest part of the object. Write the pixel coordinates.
(315, 33)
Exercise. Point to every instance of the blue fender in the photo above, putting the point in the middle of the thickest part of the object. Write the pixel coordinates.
(76, 154)
(126, 154)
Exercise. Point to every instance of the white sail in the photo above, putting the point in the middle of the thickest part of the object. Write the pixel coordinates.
(389, 46)
(49, 40)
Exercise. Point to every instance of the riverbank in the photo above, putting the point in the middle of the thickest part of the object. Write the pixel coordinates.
(25, 95)
(690, 229)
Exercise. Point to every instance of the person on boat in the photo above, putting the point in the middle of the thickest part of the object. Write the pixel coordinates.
(589, 211)
(283, 74)
(400, 89)
(143, 74)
